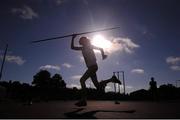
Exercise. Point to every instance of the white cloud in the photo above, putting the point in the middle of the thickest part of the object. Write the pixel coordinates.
(76, 77)
(175, 67)
(113, 45)
(117, 63)
(25, 12)
(14, 59)
(173, 60)
(108, 87)
(67, 65)
(111, 88)
(138, 71)
(53, 67)
(81, 58)
(118, 44)
(73, 85)
(129, 87)
(123, 44)
(174, 63)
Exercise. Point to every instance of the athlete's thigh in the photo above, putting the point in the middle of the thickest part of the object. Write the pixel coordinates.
(86, 75)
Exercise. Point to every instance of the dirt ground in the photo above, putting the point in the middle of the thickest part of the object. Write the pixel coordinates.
(94, 109)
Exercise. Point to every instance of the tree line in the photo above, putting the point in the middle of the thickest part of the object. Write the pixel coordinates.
(45, 88)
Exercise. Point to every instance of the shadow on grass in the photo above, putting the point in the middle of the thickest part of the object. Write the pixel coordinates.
(90, 114)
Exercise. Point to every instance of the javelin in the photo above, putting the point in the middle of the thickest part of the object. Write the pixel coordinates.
(54, 38)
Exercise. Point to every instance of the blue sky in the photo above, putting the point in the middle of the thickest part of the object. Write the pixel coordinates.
(148, 39)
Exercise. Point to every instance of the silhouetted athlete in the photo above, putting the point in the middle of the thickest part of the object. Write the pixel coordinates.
(153, 88)
(90, 60)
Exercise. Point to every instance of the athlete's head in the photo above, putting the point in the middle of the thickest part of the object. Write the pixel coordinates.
(152, 78)
(84, 41)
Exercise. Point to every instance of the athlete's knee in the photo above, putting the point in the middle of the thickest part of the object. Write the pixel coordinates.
(93, 69)
(82, 80)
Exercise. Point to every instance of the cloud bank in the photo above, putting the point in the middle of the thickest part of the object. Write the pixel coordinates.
(76, 77)
(123, 45)
(67, 65)
(73, 85)
(174, 63)
(14, 59)
(119, 44)
(138, 71)
(175, 68)
(173, 60)
(53, 67)
(25, 12)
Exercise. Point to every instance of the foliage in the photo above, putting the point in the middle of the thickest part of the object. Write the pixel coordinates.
(41, 79)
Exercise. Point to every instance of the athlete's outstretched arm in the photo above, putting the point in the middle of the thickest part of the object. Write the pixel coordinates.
(72, 44)
(102, 52)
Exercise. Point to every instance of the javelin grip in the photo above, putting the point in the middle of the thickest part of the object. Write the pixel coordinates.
(54, 38)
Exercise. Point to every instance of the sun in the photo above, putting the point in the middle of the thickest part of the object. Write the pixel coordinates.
(100, 41)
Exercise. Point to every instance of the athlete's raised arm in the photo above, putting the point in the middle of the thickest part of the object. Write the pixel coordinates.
(72, 43)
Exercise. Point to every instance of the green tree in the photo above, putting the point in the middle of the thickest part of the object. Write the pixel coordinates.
(42, 78)
(57, 81)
